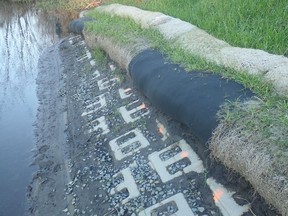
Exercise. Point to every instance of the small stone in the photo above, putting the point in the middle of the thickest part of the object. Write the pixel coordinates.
(201, 209)
(122, 212)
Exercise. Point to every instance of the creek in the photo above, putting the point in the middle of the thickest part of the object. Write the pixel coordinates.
(24, 33)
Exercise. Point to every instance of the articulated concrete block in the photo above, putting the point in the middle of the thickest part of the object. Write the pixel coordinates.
(224, 200)
(106, 83)
(133, 114)
(128, 183)
(181, 206)
(94, 107)
(125, 93)
(99, 124)
(161, 166)
(128, 144)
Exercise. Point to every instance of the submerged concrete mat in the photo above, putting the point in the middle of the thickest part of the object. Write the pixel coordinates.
(192, 98)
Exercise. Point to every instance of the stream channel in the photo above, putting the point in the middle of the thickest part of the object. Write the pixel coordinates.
(24, 33)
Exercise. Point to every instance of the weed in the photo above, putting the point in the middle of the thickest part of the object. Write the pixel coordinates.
(100, 57)
(119, 74)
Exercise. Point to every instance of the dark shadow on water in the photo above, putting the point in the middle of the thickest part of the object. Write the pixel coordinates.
(24, 32)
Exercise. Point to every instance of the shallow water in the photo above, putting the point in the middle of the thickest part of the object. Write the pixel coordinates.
(24, 33)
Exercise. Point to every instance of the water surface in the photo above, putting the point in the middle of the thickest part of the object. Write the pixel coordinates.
(24, 33)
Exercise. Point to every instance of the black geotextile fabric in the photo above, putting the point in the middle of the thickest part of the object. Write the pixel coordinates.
(192, 98)
(76, 26)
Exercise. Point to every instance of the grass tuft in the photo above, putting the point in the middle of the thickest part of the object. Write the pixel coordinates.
(100, 57)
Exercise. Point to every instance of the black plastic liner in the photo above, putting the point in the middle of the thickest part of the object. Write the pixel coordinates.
(76, 26)
(192, 98)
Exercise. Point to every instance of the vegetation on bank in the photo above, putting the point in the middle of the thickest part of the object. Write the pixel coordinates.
(245, 23)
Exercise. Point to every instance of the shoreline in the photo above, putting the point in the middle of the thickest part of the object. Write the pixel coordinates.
(46, 189)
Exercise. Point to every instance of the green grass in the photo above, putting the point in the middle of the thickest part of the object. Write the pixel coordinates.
(269, 117)
(260, 24)
(101, 57)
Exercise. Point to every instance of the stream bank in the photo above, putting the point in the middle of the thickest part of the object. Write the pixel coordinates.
(87, 111)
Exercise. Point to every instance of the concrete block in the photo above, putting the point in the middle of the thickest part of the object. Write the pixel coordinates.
(224, 200)
(133, 114)
(99, 103)
(178, 200)
(128, 143)
(186, 152)
(128, 183)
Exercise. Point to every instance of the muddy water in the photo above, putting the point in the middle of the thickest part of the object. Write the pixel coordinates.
(24, 33)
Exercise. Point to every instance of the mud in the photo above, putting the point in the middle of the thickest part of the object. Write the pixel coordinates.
(80, 174)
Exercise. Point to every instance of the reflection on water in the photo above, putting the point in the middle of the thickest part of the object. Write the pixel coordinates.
(24, 33)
